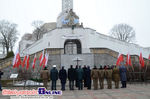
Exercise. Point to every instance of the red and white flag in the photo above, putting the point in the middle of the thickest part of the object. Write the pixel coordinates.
(45, 60)
(34, 61)
(16, 60)
(141, 60)
(128, 61)
(24, 60)
(41, 57)
(149, 57)
(120, 59)
(28, 58)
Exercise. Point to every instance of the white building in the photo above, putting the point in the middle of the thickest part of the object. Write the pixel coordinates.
(71, 38)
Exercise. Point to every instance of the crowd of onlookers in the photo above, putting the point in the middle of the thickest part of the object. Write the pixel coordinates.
(84, 76)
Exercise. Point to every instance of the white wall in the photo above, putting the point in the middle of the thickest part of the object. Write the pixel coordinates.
(98, 40)
(89, 39)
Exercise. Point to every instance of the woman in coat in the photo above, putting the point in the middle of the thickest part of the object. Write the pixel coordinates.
(123, 76)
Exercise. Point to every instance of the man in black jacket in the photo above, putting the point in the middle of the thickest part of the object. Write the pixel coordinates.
(71, 77)
(84, 76)
(88, 77)
(76, 79)
(63, 78)
(1, 73)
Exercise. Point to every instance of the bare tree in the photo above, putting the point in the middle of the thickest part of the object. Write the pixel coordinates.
(123, 32)
(9, 34)
(38, 31)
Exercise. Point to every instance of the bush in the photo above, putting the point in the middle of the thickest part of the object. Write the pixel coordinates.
(10, 54)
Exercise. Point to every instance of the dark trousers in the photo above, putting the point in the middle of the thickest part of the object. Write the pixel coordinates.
(77, 83)
(0, 86)
(123, 84)
(71, 85)
(53, 85)
(85, 82)
(89, 86)
(80, 85)
(62, 86)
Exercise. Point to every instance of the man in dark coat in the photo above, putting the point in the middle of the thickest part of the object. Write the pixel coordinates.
(123, 76)
(84, 77)
(76, 80)
(80, 75)
(1, 73)
(54, 77)
(71, 77)
(63, 78)
(88, 77)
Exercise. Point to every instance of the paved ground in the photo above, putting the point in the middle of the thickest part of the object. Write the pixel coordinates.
(133, 91)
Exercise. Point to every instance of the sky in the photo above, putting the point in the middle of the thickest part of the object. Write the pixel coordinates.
(100, 15)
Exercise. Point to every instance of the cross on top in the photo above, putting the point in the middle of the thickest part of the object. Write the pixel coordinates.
(67, 5)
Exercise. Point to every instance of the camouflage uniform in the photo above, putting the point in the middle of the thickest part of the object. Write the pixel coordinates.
(45, 77)
(108, 75)
(116, 76)
(94, 76)
(101, 74)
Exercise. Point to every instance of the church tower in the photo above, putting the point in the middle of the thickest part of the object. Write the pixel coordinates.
(67, 17)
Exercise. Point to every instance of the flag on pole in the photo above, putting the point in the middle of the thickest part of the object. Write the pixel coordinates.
(34, 61)
(16, 60)
(120, 59)
(128, 61)
(41, 57)
(149, 57)
(45, 60)
(24, 60)
(141, 60)
(28, 58)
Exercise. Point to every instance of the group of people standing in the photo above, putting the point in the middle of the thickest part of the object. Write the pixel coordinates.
(82, 77)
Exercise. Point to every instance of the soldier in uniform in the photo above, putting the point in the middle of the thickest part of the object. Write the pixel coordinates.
(108, 74)
(116, 76)
(45, 76)
(101, 73)
(54, 77)
(94, 76)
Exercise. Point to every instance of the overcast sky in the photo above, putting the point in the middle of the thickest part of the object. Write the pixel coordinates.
(100, 15)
